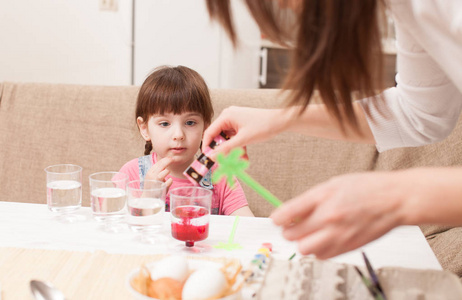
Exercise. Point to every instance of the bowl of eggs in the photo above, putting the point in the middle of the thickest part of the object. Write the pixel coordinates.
(180, 278)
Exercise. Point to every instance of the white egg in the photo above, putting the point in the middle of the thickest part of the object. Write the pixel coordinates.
(204, 283)
(174, 266)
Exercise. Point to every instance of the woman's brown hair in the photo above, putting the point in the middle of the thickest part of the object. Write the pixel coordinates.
(173, 90)
(335, 47)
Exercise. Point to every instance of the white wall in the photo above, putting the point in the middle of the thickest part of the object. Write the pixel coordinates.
(65, 41)
(240, 67)
(72, 41)
(179, 32)
(176, 32)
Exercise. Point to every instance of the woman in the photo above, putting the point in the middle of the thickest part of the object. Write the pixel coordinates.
(336, 50)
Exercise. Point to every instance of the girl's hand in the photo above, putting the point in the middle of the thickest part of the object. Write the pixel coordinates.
(245, 125)
(343, 213)
(159, 171)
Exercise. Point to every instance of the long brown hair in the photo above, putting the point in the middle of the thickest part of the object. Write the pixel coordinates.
(335, 45)
(173, 90)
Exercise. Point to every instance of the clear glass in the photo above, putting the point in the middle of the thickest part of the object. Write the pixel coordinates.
(190, 215)
(108, 191)
(64, 190)
(146, 208)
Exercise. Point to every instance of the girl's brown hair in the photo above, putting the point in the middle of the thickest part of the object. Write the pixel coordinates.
(335, 47)
(173, 90)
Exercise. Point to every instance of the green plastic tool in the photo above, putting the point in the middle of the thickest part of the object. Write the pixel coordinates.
(230, 245)
(232, 165)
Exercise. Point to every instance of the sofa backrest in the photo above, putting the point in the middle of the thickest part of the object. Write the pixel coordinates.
(94, 127)
(47, 124)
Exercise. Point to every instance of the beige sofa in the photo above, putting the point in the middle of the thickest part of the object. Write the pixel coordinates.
(94, 127)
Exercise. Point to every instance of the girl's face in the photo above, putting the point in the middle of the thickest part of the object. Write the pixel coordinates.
(176, 136)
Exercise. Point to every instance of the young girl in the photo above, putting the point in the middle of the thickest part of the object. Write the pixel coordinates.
(172, 111)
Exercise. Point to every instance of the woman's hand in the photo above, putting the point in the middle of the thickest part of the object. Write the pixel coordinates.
(159, 171)
(246, 126)
(342, 214)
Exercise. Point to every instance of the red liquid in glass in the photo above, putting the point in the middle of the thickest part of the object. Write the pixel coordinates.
(184, 230)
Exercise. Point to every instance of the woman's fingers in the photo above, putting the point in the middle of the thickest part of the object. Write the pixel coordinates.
(244, 125)
(316, 243)
(246, 154)
(222, 123)
(330, 241)
(341, 214)
(227, 146)
(301, 227)
(294, 210)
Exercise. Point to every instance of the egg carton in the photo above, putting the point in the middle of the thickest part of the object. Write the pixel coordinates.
(312, 279)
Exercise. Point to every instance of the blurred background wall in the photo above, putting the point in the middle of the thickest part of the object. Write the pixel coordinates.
(118, 42)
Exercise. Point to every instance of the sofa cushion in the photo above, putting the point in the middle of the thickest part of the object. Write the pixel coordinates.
(445, 153)
(446, 241)
(94, 127)
(46, 124)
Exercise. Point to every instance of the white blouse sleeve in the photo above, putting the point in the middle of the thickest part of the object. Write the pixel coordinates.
(424, 106)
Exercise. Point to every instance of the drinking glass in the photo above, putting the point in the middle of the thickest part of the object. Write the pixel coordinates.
(64, 190)
(108, 192)
(146, 207)
(190, 215)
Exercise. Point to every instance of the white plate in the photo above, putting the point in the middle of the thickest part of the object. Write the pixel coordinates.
(193, 264)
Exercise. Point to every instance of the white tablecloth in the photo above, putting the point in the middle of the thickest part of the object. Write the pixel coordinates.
(34, 226)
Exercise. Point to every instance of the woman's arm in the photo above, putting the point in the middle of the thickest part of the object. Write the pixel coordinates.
(316, 121)
(251, 125)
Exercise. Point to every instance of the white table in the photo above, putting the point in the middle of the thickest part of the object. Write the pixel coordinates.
(34, 226)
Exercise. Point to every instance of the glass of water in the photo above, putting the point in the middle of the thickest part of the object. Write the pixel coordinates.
(64, 190)
(108, 192)
(146, 207)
